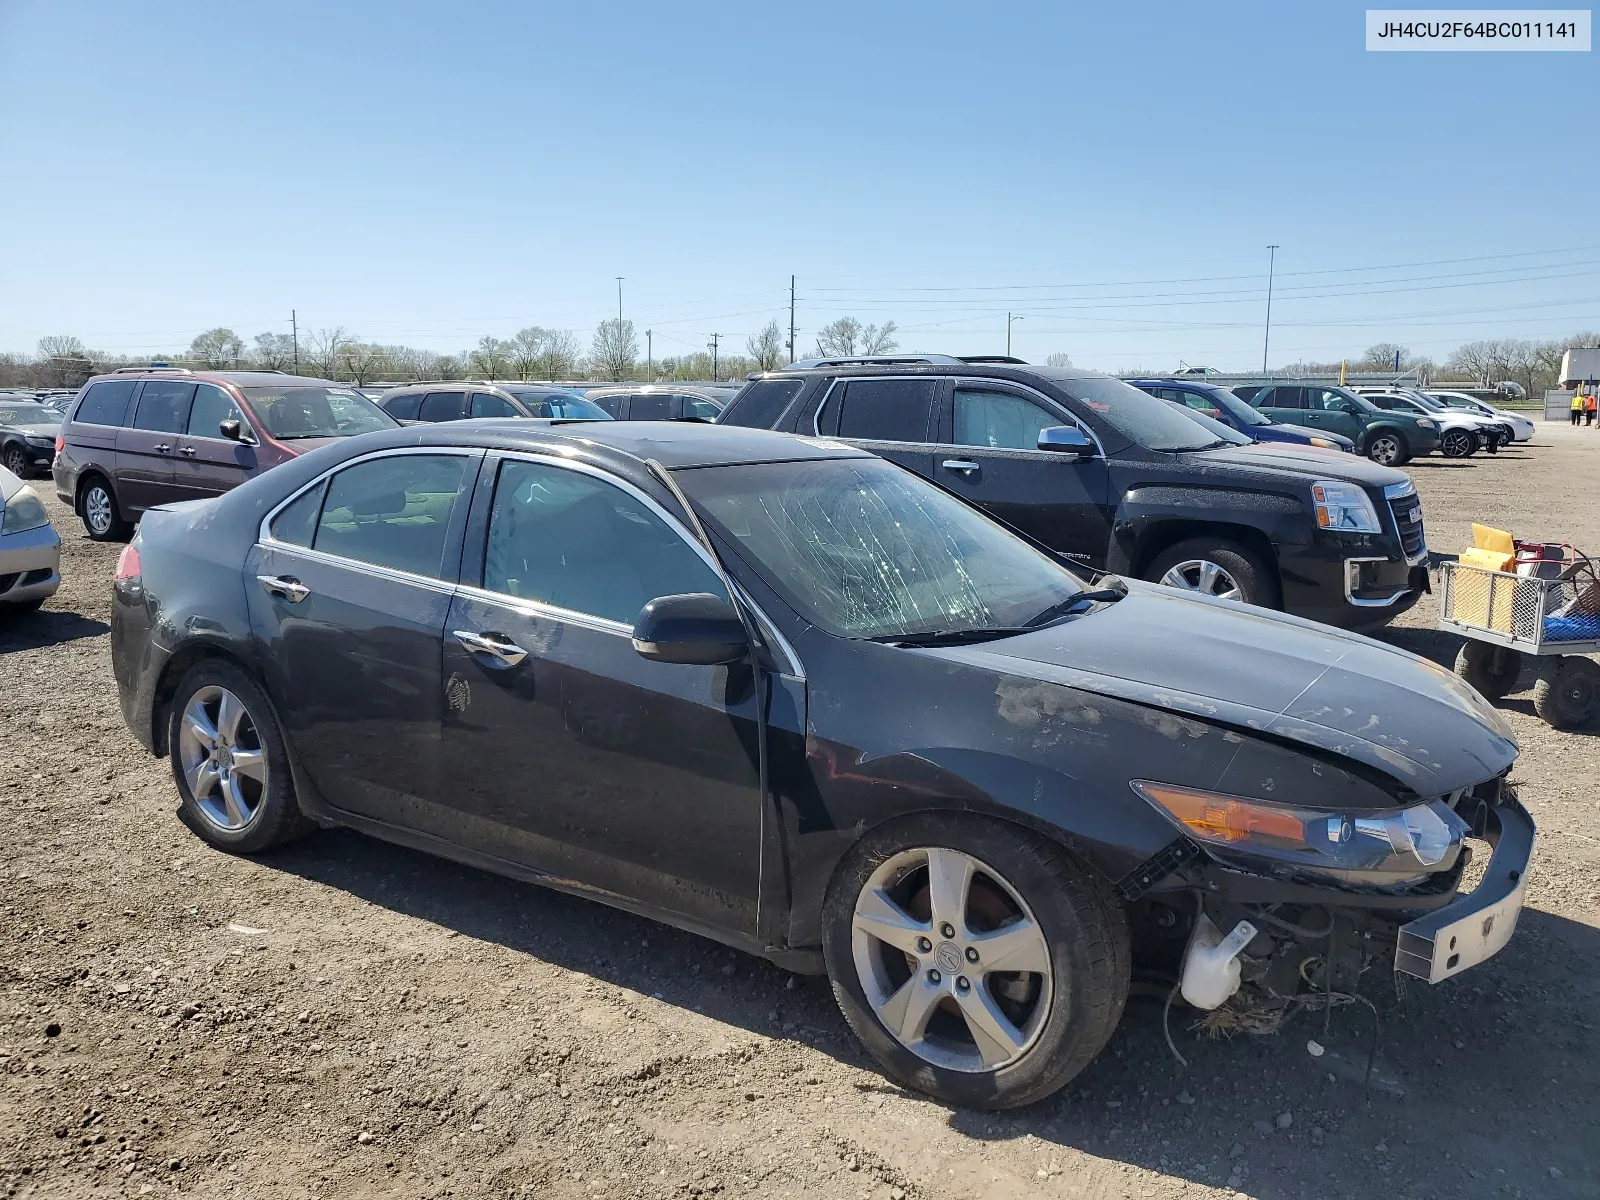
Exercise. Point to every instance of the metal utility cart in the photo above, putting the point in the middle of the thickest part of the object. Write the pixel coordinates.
(1550, 616)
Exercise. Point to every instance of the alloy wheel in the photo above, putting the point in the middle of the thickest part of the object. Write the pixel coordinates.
(1384, 451)
(223, 760)
(1458, 443)
(16, 461)
(1203, 576)
(98, 508)
(952, 960)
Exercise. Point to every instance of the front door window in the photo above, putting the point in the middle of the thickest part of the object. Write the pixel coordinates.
(999, 420)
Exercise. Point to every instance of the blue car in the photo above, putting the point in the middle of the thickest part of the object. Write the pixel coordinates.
(1220, 404)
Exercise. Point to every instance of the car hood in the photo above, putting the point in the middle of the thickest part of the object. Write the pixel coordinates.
(306, 445)
(1291, 459)
(40, 430)
(1268, 673)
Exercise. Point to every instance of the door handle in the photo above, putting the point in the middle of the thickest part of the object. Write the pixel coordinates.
(163, 447)
(965, 465)
(185, 449)
(495, 644)
(287, 586)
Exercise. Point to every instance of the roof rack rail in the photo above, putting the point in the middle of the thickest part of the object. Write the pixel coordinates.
(1002, 359)
(880, 360)
(142, 370)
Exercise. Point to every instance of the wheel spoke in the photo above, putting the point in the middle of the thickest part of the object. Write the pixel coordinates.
(239, 813)
(201, 777)
(252, 763)
(229, 712)
(949, 877)
(1019, 946)
(200, 726)
(906, 1012)
(876, 915)
(1208, 577)
(997, 1039)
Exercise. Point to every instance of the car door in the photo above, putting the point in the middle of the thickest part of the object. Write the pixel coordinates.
(563, 748)
(615, 403)
(348, 595)
(147, 445)
(892, 417)
(487, 404)
(1336, 413)
(1282, 404)
(443, 406)
(988, 454)
(208, 464)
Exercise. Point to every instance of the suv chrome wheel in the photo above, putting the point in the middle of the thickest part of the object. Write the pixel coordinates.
(1202, 575)
(951, 960)
(222, 758)
(98, 509)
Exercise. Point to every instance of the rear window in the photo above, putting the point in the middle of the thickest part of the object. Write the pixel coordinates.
(403, 408)
(105, 403)
(762, 403)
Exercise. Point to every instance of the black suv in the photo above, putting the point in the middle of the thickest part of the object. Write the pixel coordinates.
(1107, 475)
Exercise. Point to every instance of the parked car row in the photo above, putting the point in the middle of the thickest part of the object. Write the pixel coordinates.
(774, 689)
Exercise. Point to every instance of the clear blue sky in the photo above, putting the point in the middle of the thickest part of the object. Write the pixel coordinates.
(429, 173)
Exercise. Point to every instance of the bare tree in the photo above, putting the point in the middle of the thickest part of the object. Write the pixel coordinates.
(1058, 359)
(1382, 357)
(491, 357)
(217, 348)
(847, 337)
(363, 361)
(63, 361)
(615, 351)
(273, 351)
(325, 348)
(446, 366)
(525, 348)
(766, 347)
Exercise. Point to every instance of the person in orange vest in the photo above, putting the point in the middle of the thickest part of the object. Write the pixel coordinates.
(1588, 409)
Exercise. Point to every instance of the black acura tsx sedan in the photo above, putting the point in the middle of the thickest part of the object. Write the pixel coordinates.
(788, 695)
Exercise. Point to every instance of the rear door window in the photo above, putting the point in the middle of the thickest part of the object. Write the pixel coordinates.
(444, 406)
(881, 410)
(1285, 397)
(106, 403)
(212, 406)
(486, 405)
(394, 511)
(403, 408)
(616, 403)
(653, 406)
(164, 406)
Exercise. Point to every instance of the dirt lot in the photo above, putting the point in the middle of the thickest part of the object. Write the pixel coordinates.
(352, 1019)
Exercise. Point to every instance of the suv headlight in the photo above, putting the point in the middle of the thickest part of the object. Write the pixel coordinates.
(24, 511)
(1424, 422)
(1406, 843)
(1344, 507)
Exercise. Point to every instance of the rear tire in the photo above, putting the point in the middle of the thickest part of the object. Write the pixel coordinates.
(1055, 915)
(1458, 443)
(1387, 449)
(1492, 670)
(1567, 694)
(101, 514)
(221, 719)
(1239, 574)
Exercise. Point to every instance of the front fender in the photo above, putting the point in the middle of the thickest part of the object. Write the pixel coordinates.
(1159, 514)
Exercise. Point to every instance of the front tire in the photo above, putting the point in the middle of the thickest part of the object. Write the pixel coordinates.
(1492, 670)
(1387, 450)
(101, 514)
(16, 461)
(230, 762)
(1215, 567)
(975, 961)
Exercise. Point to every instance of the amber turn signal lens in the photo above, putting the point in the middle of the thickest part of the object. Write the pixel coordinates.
(1214, 818)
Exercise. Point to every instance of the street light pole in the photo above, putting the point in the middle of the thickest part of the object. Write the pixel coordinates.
(1009, 319)
(620, 278)
(1272, 261)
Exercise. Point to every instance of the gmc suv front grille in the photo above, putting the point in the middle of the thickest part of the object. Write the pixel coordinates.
(1407, 513)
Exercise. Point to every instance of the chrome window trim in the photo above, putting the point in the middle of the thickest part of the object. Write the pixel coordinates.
(816, 417)
(540, 610)
(431, 582)
(264, 530)
(1000, 385)
(795, 668)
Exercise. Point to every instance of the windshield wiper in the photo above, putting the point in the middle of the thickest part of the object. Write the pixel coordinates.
(949, 637)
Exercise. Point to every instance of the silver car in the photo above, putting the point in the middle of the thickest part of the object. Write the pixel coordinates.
(30, 550)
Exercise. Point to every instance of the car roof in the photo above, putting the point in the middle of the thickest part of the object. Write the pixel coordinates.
(237, 378)
(713, 391)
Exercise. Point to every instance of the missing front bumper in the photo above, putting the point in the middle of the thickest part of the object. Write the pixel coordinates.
(1476, 926)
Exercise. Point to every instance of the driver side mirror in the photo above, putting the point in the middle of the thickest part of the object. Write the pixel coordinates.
(1066, 439)
(697, 629)
(234, 431)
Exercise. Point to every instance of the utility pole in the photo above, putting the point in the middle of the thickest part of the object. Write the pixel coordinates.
(649, 356)
(714, 338)
(620, 278)
(1272, 261)
(791, 319)
(1009, 319)
(294, 332)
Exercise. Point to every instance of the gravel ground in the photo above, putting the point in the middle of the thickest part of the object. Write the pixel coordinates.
(352, 1019)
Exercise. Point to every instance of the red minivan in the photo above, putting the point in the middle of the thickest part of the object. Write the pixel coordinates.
(143, 436)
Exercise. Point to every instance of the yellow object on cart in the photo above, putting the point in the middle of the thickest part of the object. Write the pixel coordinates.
(1482, 599)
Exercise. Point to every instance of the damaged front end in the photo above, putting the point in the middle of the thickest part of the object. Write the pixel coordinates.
(1264, 910)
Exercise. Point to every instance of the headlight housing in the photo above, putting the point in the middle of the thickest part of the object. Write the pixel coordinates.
(36, 440)
(24, 511)
(1424, 422)
(1388, 847)
(1344, 507)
